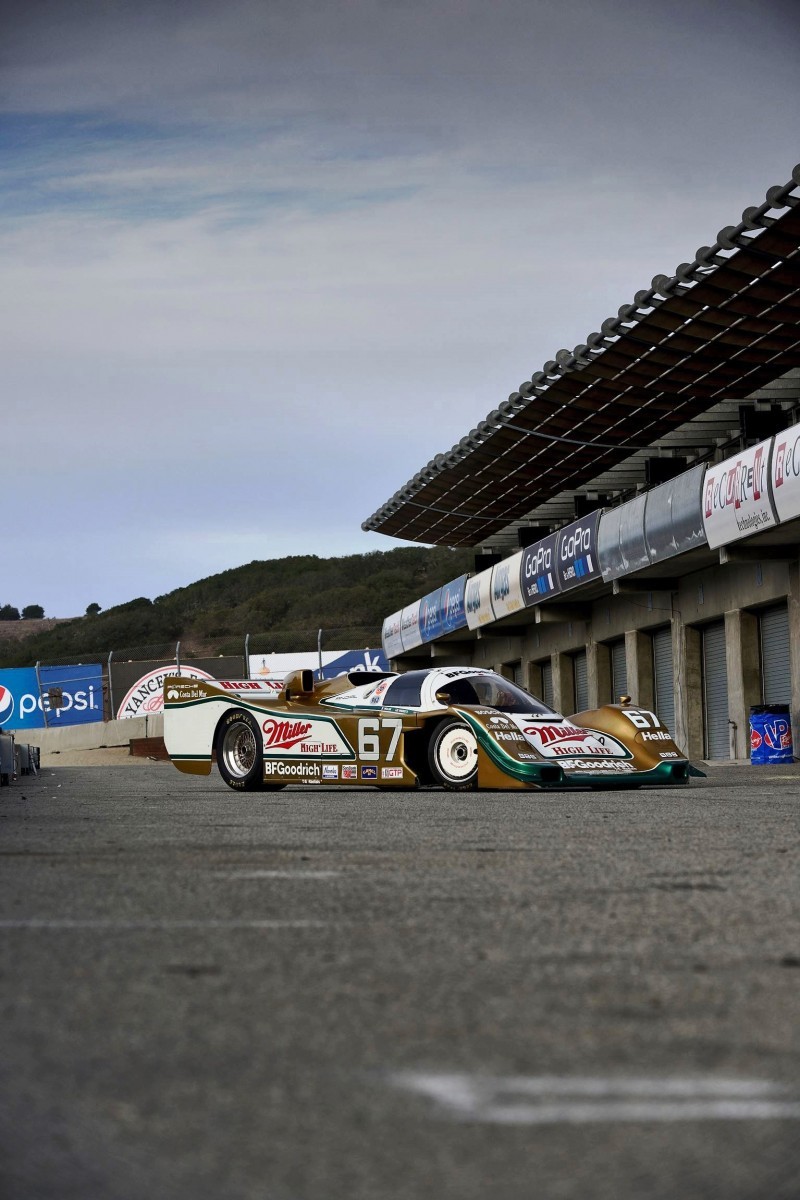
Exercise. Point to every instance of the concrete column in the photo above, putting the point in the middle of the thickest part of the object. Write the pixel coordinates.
(744, 675)
(794, 651)
(563, 682)
(532, 675)
(639, 662)
(688, 684)
(598, 673)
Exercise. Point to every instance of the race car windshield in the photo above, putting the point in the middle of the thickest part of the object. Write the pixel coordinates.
(491, 691)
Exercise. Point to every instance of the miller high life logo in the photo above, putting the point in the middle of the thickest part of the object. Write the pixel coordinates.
(282, 734)
(550, 734)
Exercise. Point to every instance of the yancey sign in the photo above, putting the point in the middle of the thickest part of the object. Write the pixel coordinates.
(147, 694)
(736, 496)
(22, 706)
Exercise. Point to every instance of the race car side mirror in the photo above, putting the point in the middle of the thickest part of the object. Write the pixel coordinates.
(443, 697)
(299, 683)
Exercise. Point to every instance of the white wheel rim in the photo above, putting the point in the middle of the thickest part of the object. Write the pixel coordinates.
(239, 749)
(457, 753)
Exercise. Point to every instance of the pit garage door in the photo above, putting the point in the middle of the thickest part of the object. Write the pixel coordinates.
(663, 679)
(776, 675)
(619, 671)
(516, 673)
(715, 692)
(547, 682)
(581, 681)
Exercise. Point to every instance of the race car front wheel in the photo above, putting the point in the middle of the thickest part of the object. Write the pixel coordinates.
(453, 755)
(240, 756)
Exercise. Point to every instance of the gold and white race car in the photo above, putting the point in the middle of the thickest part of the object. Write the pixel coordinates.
(449, 727)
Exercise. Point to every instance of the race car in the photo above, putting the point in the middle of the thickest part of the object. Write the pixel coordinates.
(449, 727)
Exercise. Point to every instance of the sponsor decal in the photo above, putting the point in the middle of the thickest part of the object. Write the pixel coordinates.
(501, 735)
(659, 735)
(180, 693)
(564, 740)
(369, 772)
(147, 694)
(597, 764)
(668, 754)
(391, 773)
(349, 772)
(313, 737)
(330, 771)
(755, 739)
(240, 685)
(292, 769)
(280, 735)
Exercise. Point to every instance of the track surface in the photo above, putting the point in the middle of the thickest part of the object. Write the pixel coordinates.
(316, 995)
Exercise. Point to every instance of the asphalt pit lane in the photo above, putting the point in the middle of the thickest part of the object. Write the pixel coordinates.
(192, 970)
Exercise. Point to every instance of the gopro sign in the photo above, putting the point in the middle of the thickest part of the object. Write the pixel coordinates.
(23, 706)
(577, 552)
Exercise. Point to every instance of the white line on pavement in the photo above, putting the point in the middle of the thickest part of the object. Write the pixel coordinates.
(548, 1100)
(264, 874)
(91, 923)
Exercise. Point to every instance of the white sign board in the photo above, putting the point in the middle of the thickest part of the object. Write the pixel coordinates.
(410, 632)
(785, 473)
(736, 496)
(478, 599)
(506, 590)
(390, 636)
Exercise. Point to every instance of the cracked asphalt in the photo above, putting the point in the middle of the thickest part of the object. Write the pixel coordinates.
(315, 995)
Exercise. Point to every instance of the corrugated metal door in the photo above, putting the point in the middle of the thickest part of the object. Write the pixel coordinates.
(663, 679)
(619, 671)
(547, 682)
(516, 673)
(776, 675)
(715, 692)
(581, 681)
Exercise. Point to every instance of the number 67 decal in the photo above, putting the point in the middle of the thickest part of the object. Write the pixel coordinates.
(642, 718)
(369, 746)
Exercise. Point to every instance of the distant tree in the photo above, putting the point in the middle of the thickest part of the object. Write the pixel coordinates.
(32, 612)
(9, 613)
(92, 610)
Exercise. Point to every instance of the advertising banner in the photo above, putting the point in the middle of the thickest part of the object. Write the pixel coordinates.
(409, 627)
(146, 694)
(506, 588)
(272, 669)
(390, 635)
(539, 570)
(577, 552)
(621, 546)
(22, 707)
(478, 599)
(736, 496)
(430, 616)
(785, 473)
(452, 605)
(673, 515)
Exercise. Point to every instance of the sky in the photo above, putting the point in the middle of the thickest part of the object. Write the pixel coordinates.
(262, 259)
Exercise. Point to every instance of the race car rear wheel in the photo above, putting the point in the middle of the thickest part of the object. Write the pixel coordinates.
(453, 755)
(240, 754)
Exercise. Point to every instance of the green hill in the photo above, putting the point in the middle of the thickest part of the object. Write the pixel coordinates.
(280, 602)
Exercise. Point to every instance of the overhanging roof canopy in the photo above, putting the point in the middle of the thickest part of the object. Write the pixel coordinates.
(721, 327)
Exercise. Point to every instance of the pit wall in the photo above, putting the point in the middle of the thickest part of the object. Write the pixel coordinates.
(97, 735)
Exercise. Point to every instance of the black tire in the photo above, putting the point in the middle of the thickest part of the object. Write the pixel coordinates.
(240, 754)
(453, 755)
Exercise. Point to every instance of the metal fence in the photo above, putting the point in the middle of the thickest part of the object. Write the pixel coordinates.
(106, 683)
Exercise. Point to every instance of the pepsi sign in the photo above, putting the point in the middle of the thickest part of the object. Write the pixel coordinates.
(539, 576)
(451, 605)
(578, 560)
(22, 706)
(430, 616)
